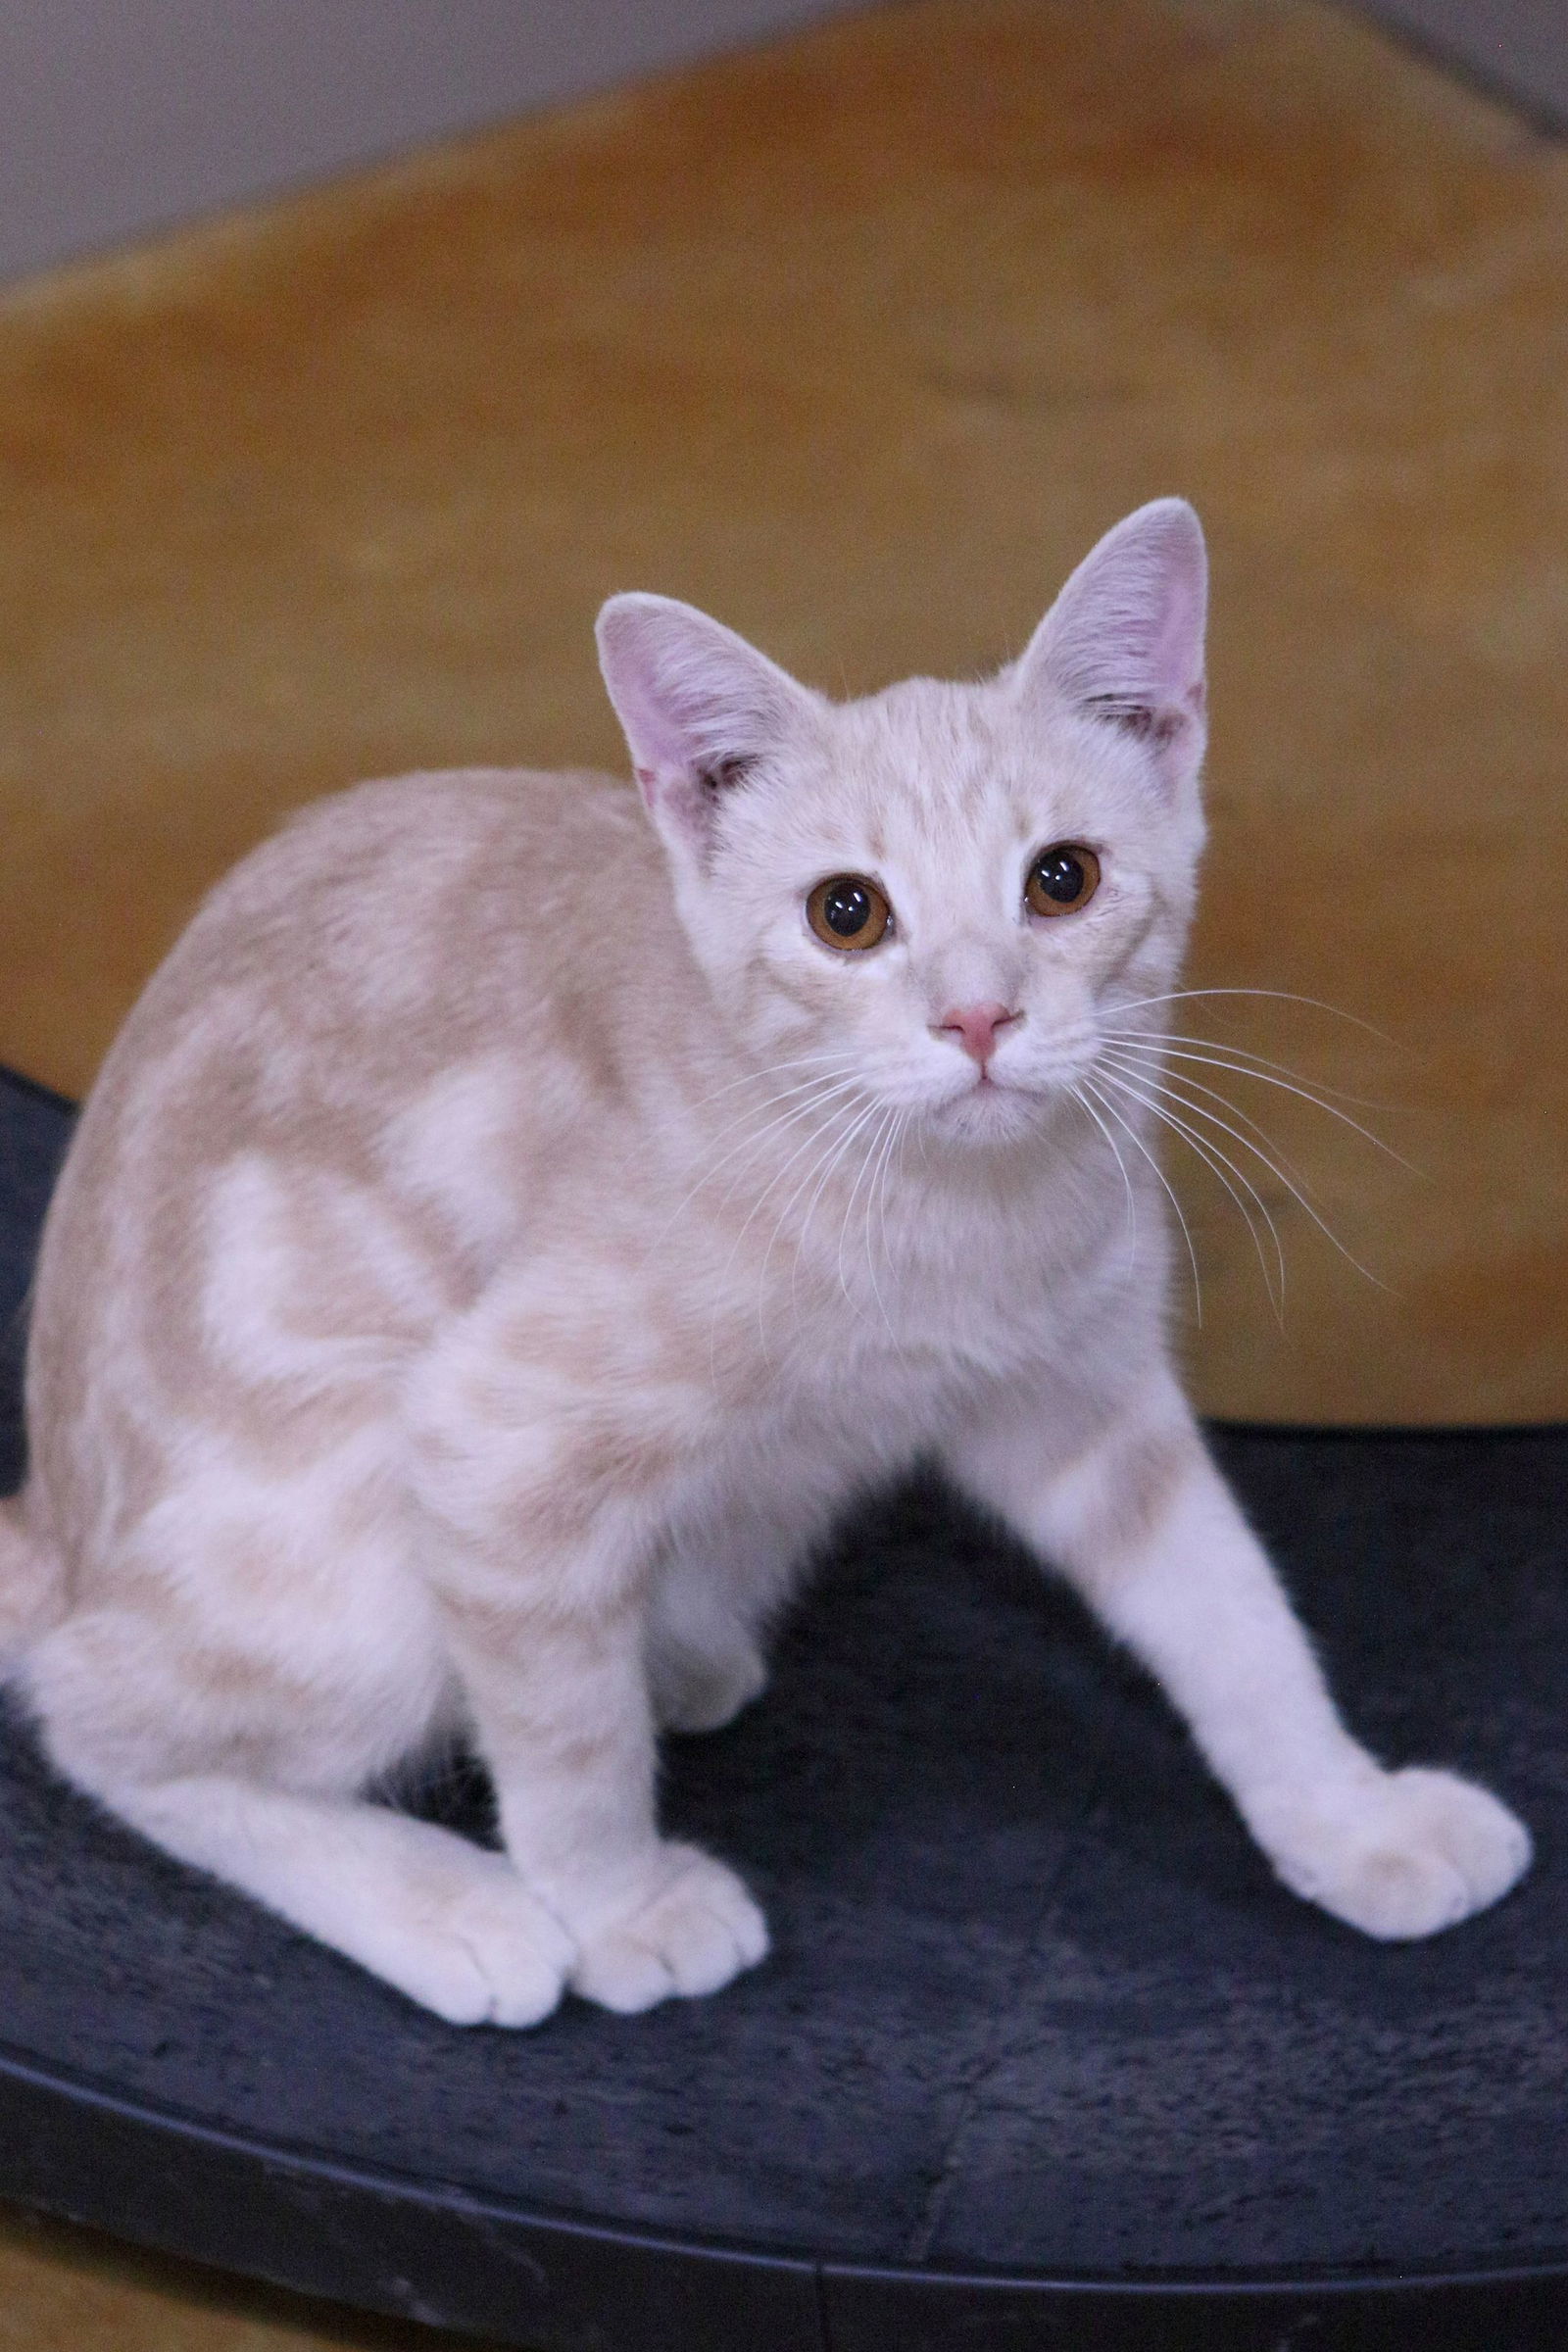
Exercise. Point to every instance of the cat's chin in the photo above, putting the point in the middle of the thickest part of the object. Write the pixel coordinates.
(989, 1113)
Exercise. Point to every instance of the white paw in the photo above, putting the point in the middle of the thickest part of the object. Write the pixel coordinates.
(475, 1947)
(694, 1692)
(1400, 1855)
(686, 1926)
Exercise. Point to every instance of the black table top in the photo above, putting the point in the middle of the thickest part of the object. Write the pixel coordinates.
(1036, 2013)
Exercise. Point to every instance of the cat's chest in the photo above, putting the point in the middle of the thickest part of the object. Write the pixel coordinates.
(906, 1333)
(933, 1281)
(864, 1392)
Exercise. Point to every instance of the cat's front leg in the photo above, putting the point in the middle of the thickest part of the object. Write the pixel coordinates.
(538, 1547)
(562, 1709)
(1143, 1525)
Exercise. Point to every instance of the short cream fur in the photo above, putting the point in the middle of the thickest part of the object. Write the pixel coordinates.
(495, 1252)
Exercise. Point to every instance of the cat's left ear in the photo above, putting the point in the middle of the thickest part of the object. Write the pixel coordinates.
(1123, 643)
(699, 707)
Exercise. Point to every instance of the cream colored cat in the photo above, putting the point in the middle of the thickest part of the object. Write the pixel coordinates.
(497, 1248)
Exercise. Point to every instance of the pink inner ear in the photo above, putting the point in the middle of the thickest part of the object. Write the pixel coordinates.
(1178, 652)
(1125, 637)
(661, 716)
(695, 700)
(698, 704)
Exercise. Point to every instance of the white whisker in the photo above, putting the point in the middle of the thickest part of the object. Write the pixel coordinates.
(1283, 996)
(1286, 1085)
(819, 1094)
(1293, 1190)
(876, 1196)
(1084, 1103)
(807, 1144)
(822, 1169)
(774, 1070)
(1242, 1054)
(831, 1150)
(900, 1128)
(871, 1149)
(817, 1100)
(843, 1110)
(1224, 1168)
(1180, 1081)
(1129, 1130)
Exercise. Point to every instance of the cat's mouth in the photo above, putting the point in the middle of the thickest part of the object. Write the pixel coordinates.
(990, 1106)
(998, 1104)
(1035, 1085)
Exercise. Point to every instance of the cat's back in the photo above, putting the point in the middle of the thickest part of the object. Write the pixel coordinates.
(297, 1064)
(382, 934)
(432, 894)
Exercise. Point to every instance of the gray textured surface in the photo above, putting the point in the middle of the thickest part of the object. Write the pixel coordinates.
(1035, 2004)
(117, 116)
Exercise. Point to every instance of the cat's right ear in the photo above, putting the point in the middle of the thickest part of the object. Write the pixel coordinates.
(1123, 643)
(699, 707)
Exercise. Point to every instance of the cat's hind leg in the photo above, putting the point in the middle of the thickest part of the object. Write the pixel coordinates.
(234, 1699)
(704, 1662)
(31, 1584)
(718, 1586)
(448, 1923)
(724, 1574)
(277, 1815)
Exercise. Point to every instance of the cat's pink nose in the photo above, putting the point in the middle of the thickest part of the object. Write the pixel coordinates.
(975, 1027)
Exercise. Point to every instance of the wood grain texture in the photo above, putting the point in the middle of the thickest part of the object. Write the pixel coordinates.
(859, 341)
(70, 2289)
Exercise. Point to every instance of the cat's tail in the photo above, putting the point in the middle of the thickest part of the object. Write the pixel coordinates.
(32, 1591)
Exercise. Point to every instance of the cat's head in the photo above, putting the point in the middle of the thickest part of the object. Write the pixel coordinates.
(945, 891)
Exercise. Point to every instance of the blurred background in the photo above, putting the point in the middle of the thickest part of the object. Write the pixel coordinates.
(350, 354)
(856, 327)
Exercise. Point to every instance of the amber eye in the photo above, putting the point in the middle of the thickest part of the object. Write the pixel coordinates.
(1062, 878)
(847, 911)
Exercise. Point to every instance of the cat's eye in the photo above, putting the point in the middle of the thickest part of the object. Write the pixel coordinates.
(1062, 879)
(848, 911)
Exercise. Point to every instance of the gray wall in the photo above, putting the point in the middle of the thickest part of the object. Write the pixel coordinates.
(117, 116)
(1518, 47)
(122, 115)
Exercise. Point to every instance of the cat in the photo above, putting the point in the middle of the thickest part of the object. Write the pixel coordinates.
(508, 1233)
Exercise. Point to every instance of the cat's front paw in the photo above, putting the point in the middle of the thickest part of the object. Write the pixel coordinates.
(479, 1950)
(686, 1926)
(1400, 1855)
